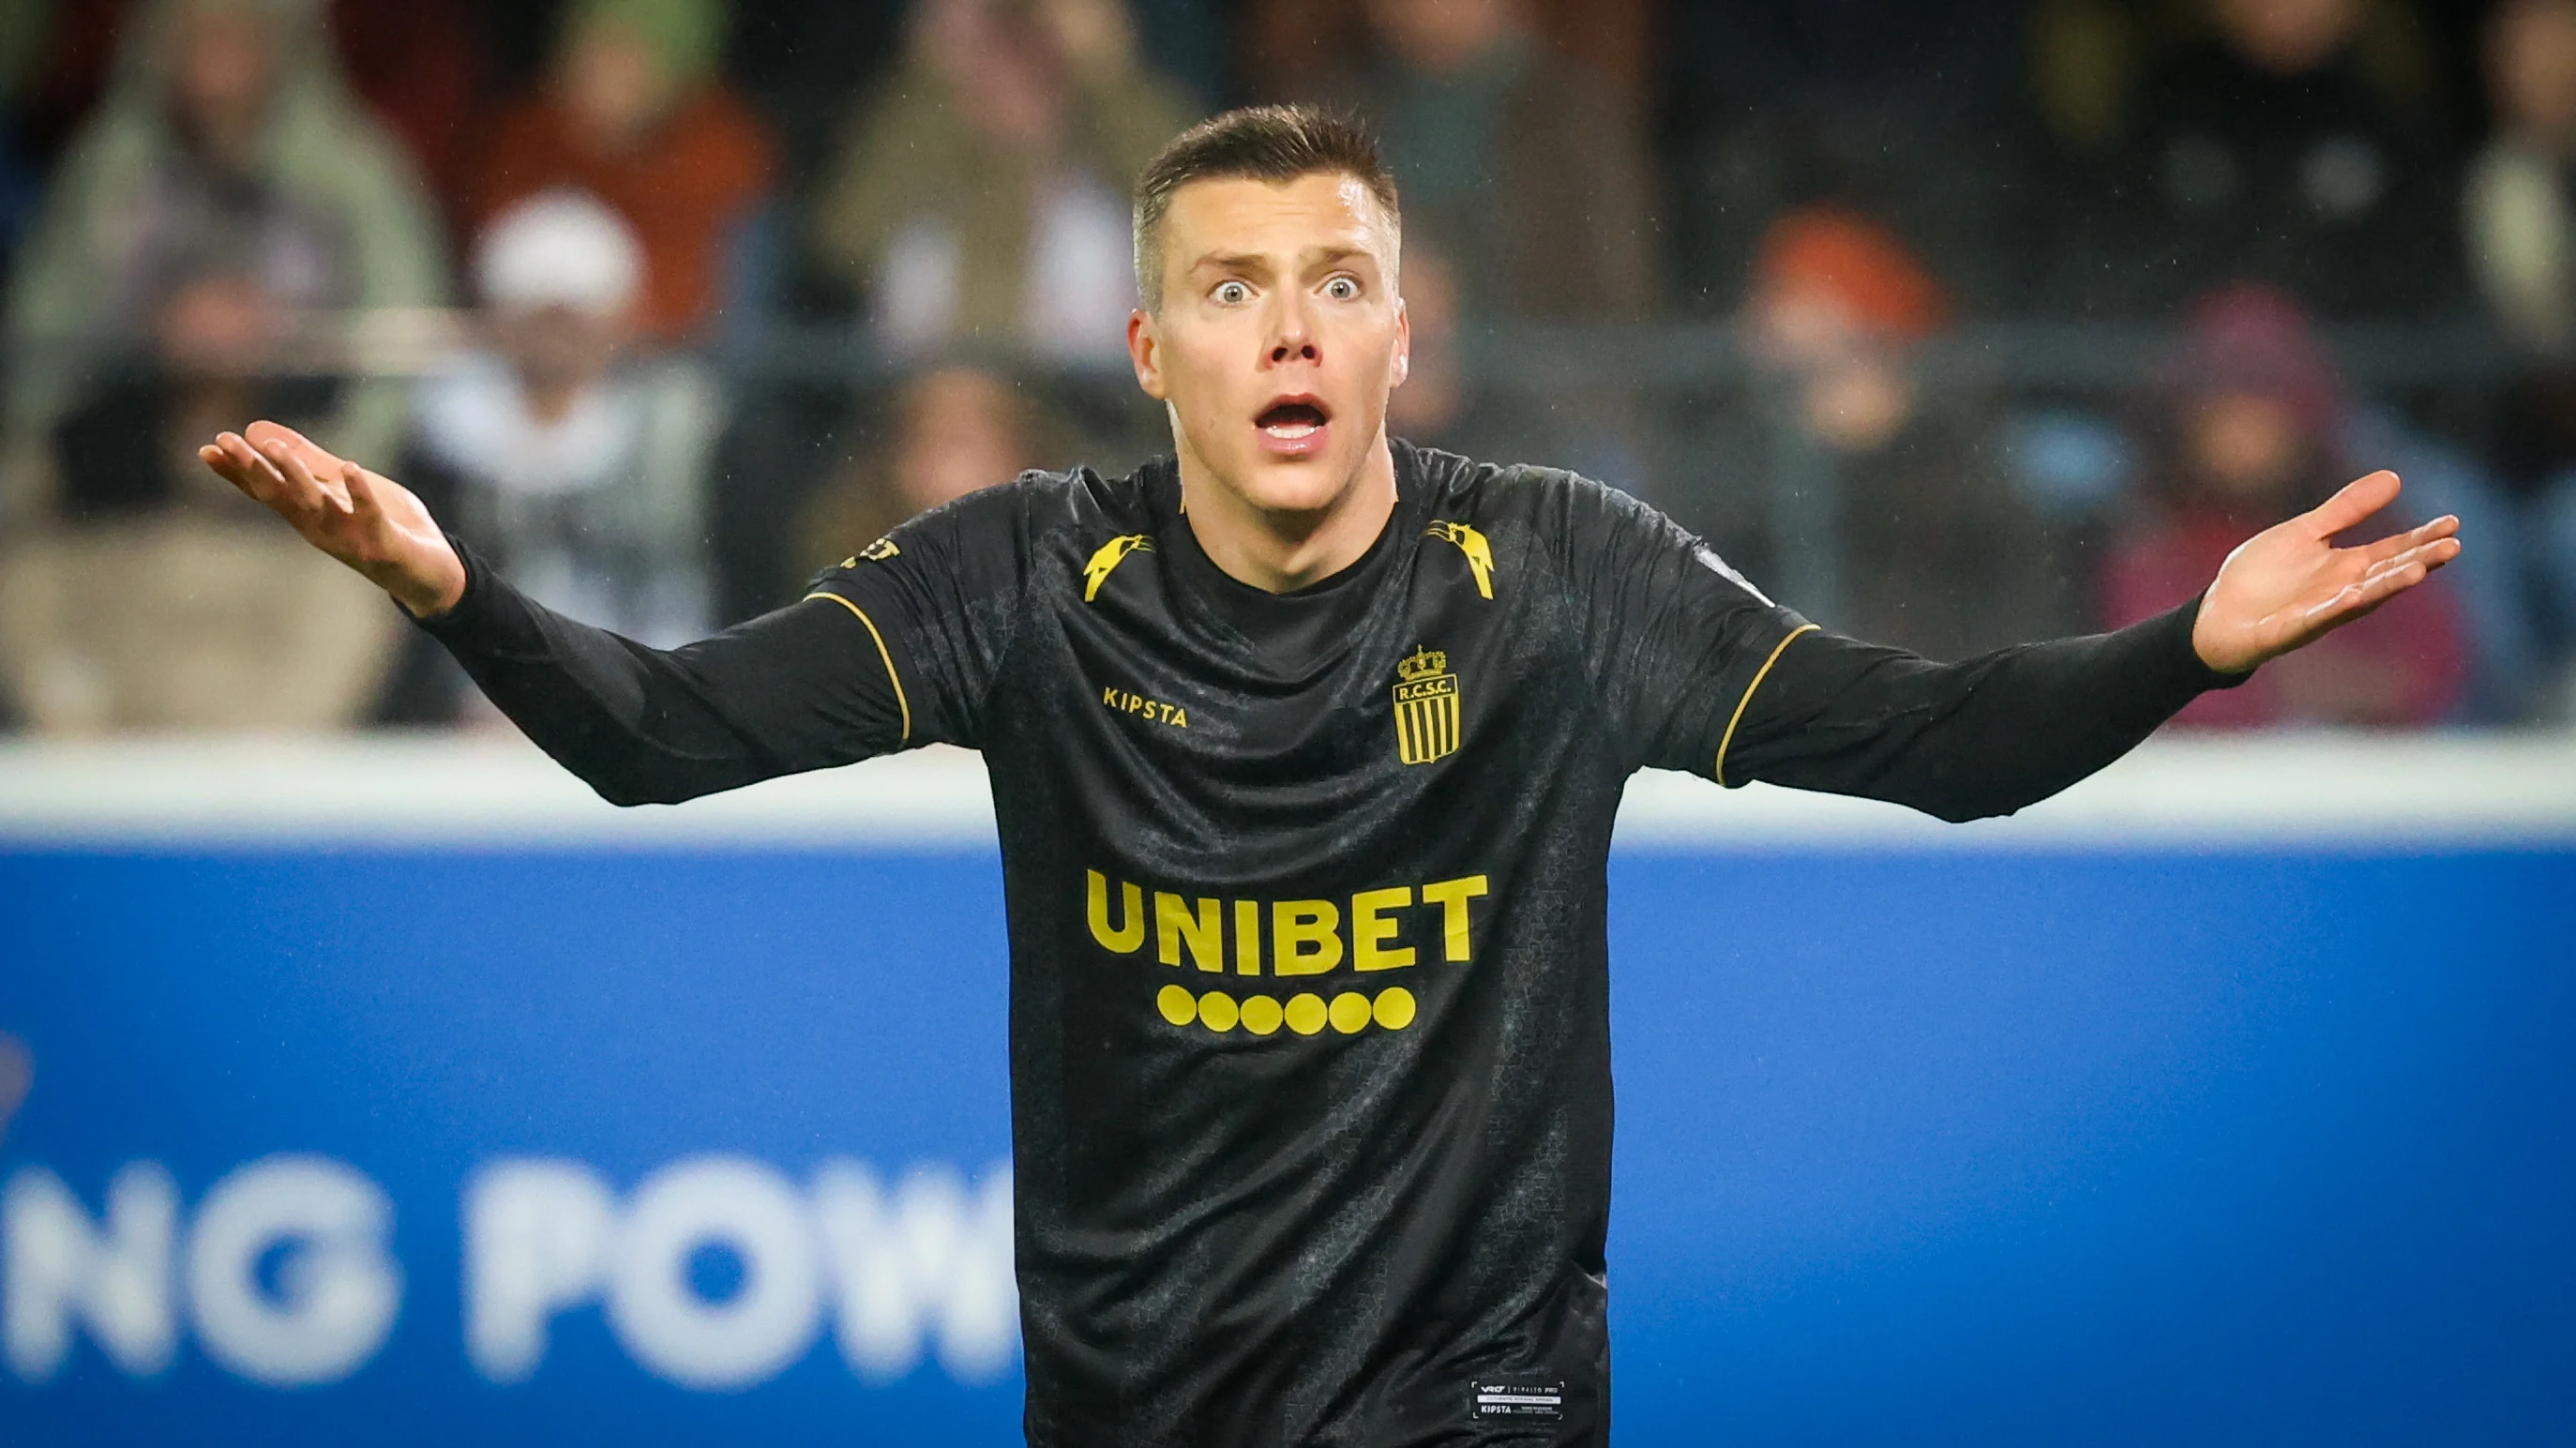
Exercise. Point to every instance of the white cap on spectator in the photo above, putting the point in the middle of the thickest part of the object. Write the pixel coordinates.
(560, 249)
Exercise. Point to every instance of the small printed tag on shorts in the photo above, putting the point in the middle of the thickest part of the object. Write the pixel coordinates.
(1519, 1398)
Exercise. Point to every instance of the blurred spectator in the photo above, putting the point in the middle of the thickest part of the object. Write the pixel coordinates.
(798, 66)
(577, 460)
(635, 114)
(2522, 187)
(218, 357)
(1933, 550)
(1445, 404)
(2244, 434)
(2521, 224)
(1285, 49)
(2269, 150)
(164, 598)
(227, 131)
(1475, 113)
(983, 197)
(2089, 60)
(415, 65)
(1893, 107)
(1440, 405)
(420, 67)
(956, 428)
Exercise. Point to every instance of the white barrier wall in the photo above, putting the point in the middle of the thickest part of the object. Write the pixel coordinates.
(2289, 787)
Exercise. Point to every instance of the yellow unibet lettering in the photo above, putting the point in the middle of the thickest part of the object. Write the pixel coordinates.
(1452, 897)
(1371, 929)
(1305, 937)
(1174, 922)
(1247, 937)
(1131, 933)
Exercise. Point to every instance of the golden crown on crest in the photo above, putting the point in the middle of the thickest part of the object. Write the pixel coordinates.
(1421, 664)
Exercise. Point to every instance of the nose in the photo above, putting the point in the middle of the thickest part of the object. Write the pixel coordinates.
(1290, 338)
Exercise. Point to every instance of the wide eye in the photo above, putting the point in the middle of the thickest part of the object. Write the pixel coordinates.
(1231, 294)
(1343, 289)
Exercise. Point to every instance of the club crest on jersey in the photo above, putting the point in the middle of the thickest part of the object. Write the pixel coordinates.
(1106, 561)
(1426, 707)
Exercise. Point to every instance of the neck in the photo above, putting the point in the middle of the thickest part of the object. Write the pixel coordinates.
(230, 140)
(549, 397)
(1280, 551)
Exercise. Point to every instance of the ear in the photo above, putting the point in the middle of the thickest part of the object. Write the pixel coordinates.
(1403, 343)
(1145, 350)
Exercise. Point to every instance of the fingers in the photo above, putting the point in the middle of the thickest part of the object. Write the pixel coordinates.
(213, 457)
(232, 456)
(2427, 556)
(2378, 589)
(2434, 554)
(280, 468)
(268, 436)
(360, 485)
(312, 491)
(2386, 548)
(2353, 502)
(2383, 582)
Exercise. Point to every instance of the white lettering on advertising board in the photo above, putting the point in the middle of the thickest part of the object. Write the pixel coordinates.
(284, 1274)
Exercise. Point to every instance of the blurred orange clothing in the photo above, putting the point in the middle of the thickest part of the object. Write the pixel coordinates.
(683, 190)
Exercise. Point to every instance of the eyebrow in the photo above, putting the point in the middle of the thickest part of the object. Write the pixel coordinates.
(1231, 261)
(1252, 262)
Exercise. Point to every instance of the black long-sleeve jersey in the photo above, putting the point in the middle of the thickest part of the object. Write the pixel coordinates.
(1310, 1048)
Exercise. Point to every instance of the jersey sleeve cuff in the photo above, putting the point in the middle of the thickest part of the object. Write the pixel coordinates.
(2191, 675)
(489, 617)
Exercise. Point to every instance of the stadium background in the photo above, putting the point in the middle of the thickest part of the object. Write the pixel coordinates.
(2225, 1099)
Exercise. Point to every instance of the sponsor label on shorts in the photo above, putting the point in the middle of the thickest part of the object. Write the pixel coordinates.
(1518, 1398)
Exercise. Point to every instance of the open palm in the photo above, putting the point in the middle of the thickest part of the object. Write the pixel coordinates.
(366, 520)
(2289, 585)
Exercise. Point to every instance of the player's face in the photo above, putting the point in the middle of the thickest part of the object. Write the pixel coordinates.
(1279, 336)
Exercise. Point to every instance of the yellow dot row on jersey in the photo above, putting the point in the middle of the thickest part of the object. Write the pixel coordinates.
(1305, 1013)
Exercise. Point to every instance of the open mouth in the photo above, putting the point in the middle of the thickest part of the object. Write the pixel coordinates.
(1291, 419)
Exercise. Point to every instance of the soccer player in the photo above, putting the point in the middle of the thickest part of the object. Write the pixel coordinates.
(1305, 746)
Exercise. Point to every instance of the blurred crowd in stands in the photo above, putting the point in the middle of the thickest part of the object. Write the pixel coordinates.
(1958, 322)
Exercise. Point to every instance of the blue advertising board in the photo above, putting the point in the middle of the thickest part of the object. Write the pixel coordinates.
(428, 1144)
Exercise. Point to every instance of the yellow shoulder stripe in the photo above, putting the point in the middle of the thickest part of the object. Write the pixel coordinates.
(1758, 676)
(1106, 561)
(1480, 554)
(899, 700)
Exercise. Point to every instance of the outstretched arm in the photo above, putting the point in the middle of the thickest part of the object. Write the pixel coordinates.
(800, 689)
(1991, 734)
